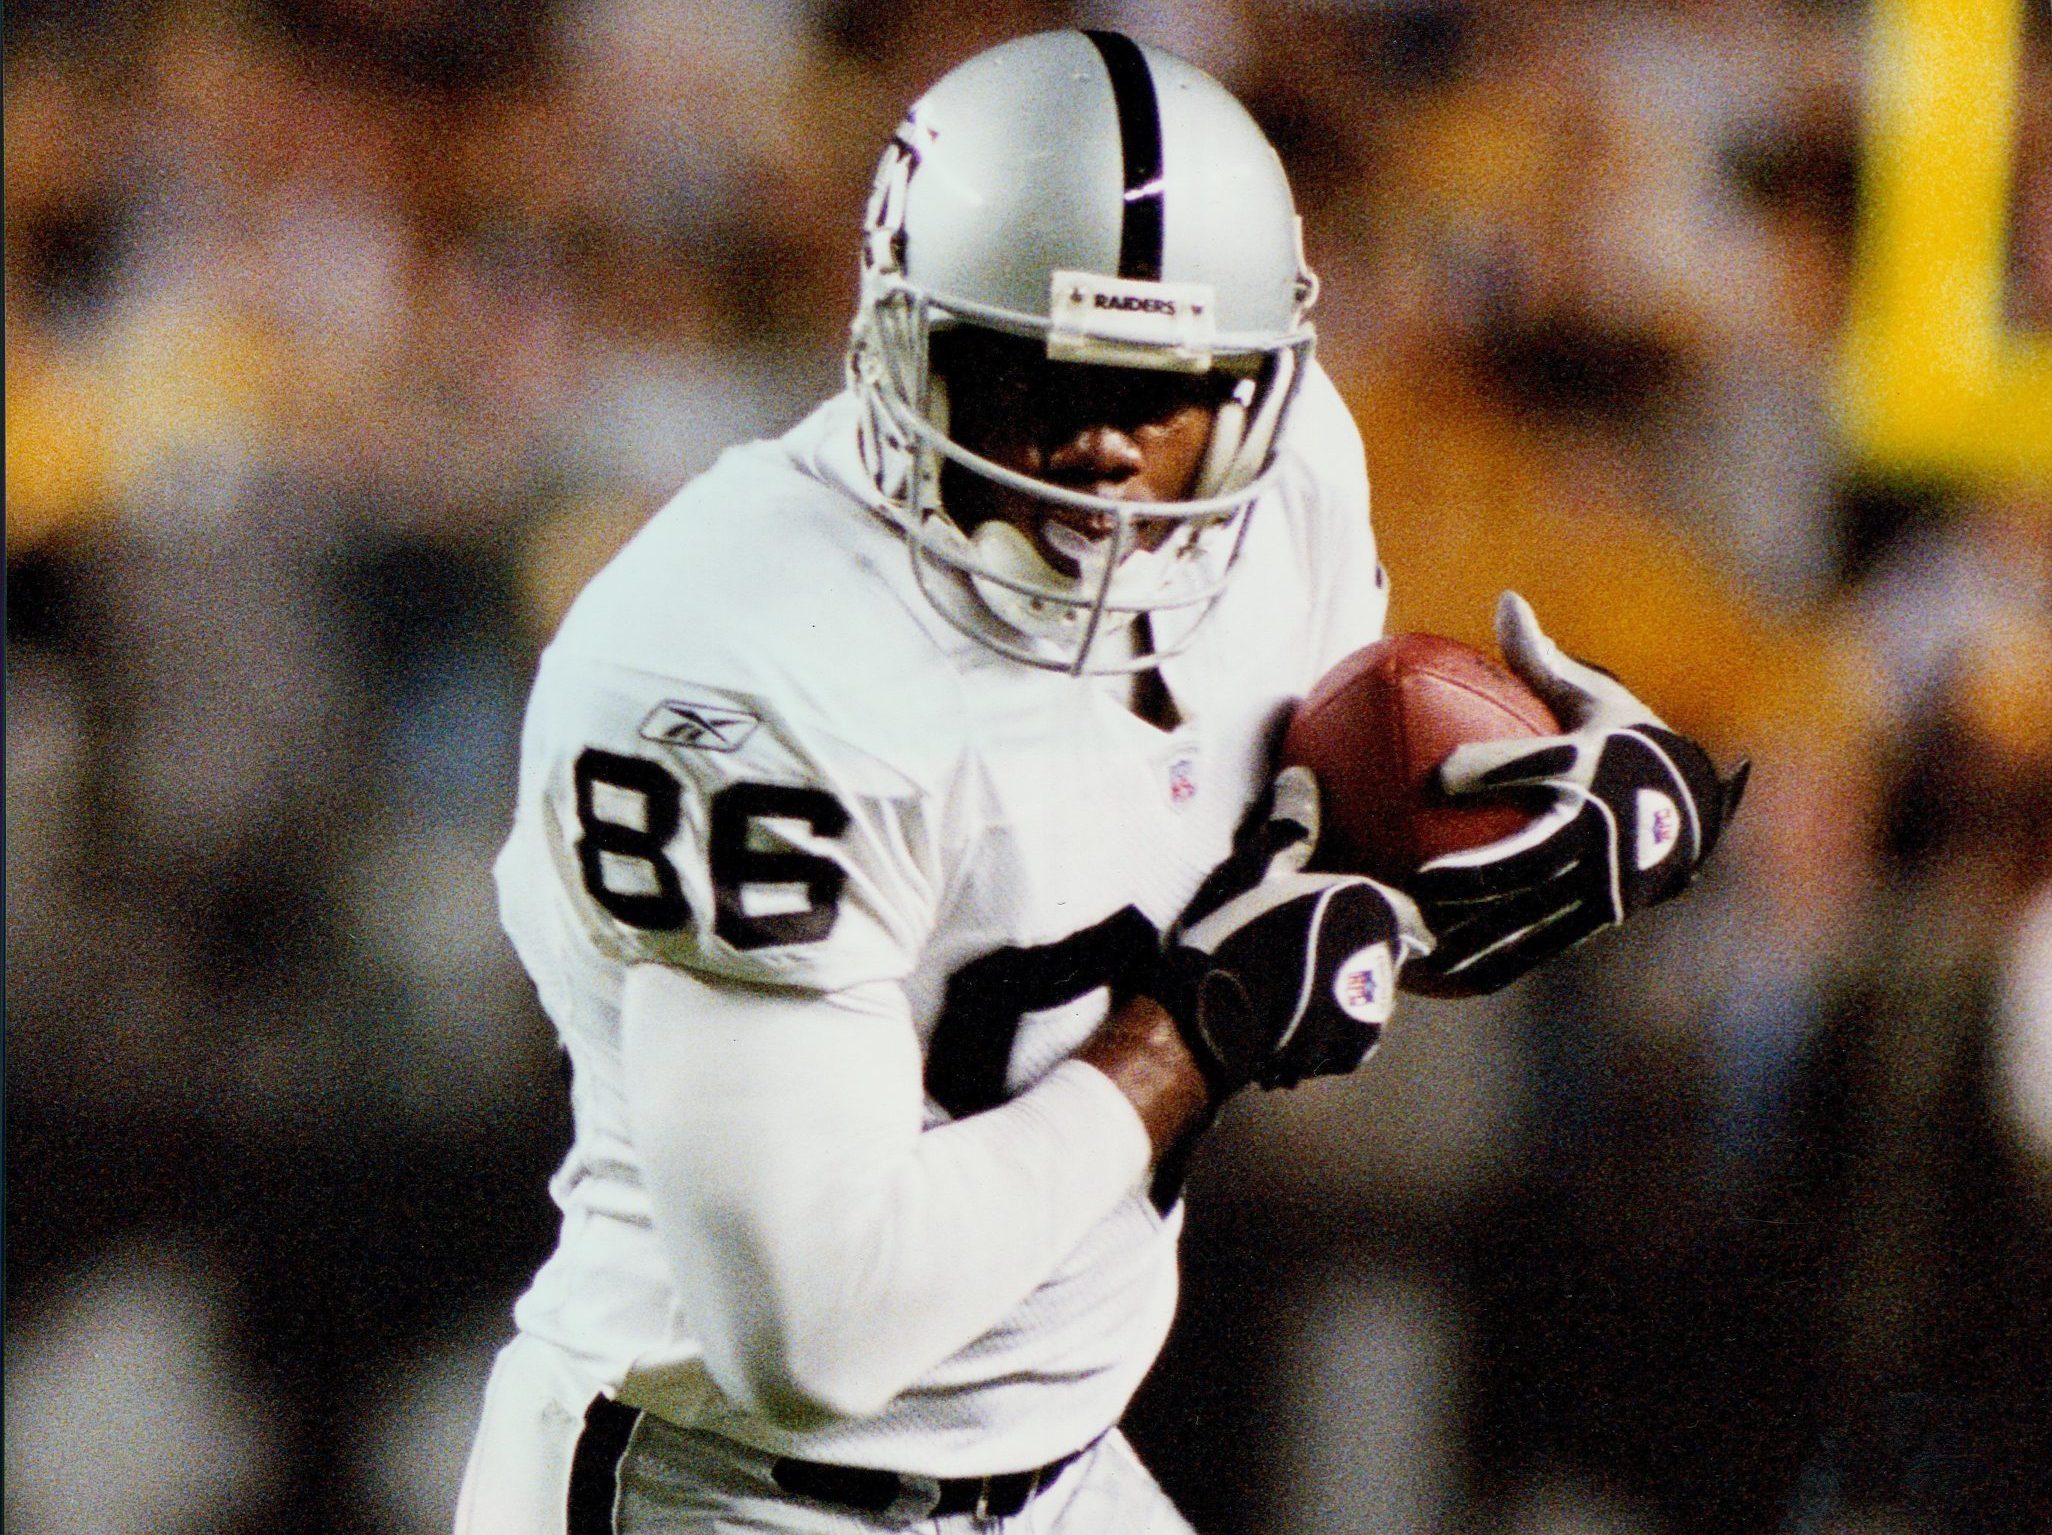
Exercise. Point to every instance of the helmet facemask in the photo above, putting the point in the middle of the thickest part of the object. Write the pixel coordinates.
(1170, 559)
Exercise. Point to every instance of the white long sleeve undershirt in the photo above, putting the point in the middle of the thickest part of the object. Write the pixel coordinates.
(828, 1251)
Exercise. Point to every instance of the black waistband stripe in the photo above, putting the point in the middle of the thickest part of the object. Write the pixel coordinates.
(1132, 83)
(998, 1496)
(595, 1466)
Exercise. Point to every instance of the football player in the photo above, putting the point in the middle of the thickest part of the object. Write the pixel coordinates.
(897, 855)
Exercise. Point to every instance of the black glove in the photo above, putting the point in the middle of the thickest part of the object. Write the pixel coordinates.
(1635, 810)
(1274, 975)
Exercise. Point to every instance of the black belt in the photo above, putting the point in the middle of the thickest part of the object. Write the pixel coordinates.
(987, 1497)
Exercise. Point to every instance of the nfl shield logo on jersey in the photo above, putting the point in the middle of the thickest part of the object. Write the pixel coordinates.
(1182, 781)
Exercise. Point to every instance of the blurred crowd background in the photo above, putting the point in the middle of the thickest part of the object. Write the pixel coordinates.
(345, 338)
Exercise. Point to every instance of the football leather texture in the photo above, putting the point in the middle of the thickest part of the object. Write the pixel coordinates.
(1375, 729)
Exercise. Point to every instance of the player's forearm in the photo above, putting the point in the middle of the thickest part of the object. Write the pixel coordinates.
(827, 1251)
(1142, 1052)
(934, 1247)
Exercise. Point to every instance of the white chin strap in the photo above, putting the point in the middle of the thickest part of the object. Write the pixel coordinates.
(1056, 606)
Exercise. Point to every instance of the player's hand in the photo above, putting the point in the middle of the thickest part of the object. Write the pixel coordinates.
(1635, 810)
(1274, 975)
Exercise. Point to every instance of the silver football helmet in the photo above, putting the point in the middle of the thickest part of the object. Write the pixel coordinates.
(1121, 206)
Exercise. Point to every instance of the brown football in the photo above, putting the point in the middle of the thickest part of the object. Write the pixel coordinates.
(1375, 729)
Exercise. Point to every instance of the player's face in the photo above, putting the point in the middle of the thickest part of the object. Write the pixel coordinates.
(1135, 435)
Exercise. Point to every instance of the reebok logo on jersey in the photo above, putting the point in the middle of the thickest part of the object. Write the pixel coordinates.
(1659, 827)
(1365, 986)
(698, 727)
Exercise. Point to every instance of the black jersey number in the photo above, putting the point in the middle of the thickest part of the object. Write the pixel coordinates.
(736, 865)
(988, 998)
(624, 834)
(621, 846)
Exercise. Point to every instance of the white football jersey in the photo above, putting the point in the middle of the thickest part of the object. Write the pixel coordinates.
(755, 751)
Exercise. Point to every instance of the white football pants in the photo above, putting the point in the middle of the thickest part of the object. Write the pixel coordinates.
(529, 1475)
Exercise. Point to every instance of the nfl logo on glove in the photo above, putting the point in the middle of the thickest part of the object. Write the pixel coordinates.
(1363, 986)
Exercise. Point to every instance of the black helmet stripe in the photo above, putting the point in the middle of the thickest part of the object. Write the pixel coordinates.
(1132, 83)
